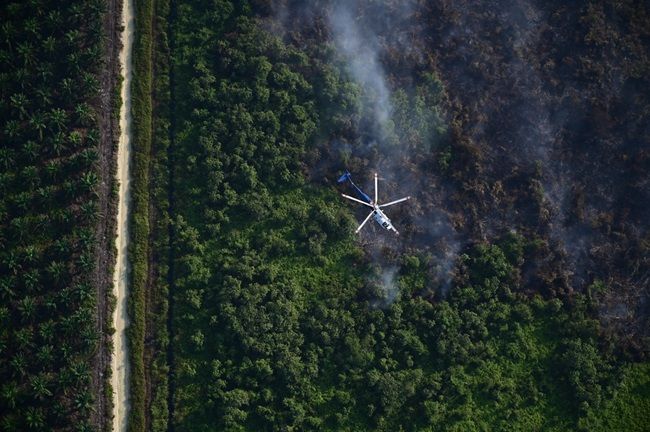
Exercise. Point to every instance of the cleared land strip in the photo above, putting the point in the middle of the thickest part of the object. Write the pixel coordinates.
(119, 362)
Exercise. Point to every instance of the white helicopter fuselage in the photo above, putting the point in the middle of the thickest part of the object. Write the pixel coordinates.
(383, 220)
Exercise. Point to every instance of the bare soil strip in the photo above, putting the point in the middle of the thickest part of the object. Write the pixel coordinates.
(119, 361)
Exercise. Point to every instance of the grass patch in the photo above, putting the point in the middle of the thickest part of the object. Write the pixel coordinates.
(139, 248)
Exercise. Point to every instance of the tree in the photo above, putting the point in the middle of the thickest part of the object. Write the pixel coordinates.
(39, 386)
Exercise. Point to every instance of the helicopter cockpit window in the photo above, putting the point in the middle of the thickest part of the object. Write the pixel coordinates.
(385, 224)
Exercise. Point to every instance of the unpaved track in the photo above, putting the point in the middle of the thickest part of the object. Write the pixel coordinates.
(119, 361)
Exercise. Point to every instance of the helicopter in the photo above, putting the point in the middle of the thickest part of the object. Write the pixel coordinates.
(377, 212)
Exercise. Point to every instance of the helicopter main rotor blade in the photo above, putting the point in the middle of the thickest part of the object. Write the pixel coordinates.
(376, 191)
(364, 221)
(357, 200)
(395, 202)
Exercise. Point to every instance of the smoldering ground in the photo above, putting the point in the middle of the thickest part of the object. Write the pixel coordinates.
(365, 37)
(551, 114)
(542, 140)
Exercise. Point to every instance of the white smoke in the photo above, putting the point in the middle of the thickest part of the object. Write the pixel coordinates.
(386, 288)
(365, 36)
(361, 51)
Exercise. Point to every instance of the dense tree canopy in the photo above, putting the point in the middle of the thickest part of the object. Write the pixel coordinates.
(280, 321)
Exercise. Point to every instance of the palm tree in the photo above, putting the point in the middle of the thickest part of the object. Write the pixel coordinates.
(24, 337)
(37, 121)
(22, 201)
(66, 352)
(45, 354)
(31, 150)
(70, 188)
(19, 102)
(10, 423)
(67, 86)
(65, 380)
(44, 97)
(72, 37)
(39, 386)
(19, 226)
(12, 128)
(59, 411)
(89, 156)
(85, 426)
(75, 10)
(31, 26)
(94, 51)
(53, 169)
(84, 401)
(22, 76)
(9, 393)
(80, 372)
(86, 262)
(26, 51)
(30, 254)
(63, 216)
(65, 300)
(91, 85)
(6, 158)
(84, 291)
(74, 62)
(10, 260)
(47, 330)
(30, 174)
(8, 30)
(31, 280)
(89, 338)
(34, 418)
(58, 117)
(75, 139)
(49, 44)
(89, 210)
(44, 194)
(27, 307)
(89, 180)
(84, 114)
(54, 19)
(7, 286)
(49, 302)
(92, 137)
(18, 364)
(62, 247)
(56, 270)
(86, 237)
(44, 72)
(58, 143)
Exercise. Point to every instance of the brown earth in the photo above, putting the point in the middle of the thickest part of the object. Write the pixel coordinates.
(105, 230)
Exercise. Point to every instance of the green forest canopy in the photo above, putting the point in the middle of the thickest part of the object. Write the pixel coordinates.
(276, 324)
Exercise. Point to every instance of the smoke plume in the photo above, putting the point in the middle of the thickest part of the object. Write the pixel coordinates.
(360, 49)
(375, 47)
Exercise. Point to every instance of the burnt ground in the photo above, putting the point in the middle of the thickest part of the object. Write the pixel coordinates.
(549, 136)
(107, 108)
(550, 111)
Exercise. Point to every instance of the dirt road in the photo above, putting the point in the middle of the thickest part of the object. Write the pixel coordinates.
(119, 361)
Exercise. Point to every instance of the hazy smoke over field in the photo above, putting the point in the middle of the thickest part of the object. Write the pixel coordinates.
(362, 34)
(545, 132)
(360, 49)
(384, 282)
(376, 47)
